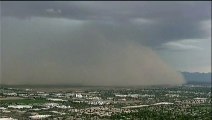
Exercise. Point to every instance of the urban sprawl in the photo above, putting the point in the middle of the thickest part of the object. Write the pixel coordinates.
(187, 102)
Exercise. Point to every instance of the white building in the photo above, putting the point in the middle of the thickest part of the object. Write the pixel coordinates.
(63, 106)
(200, 100)
(19, 106)
(35, 117)
(3, 108)
(50, 105)
(11, 94)
(78, 95)
(118, 95)
(163, 103)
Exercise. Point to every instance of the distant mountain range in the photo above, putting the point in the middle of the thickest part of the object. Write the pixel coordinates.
(197, 78)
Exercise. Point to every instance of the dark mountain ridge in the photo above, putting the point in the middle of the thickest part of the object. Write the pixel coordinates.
(197, 77)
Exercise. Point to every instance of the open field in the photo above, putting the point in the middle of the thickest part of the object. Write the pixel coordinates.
(10, 98)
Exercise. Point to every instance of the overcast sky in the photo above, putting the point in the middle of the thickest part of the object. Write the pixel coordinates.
(79, 33)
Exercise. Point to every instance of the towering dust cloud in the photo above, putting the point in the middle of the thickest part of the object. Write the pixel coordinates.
(90, 55)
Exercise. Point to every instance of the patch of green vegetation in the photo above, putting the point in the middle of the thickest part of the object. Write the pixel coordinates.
(24, 101)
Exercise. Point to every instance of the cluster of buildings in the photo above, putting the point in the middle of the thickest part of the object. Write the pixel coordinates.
(73, 104)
